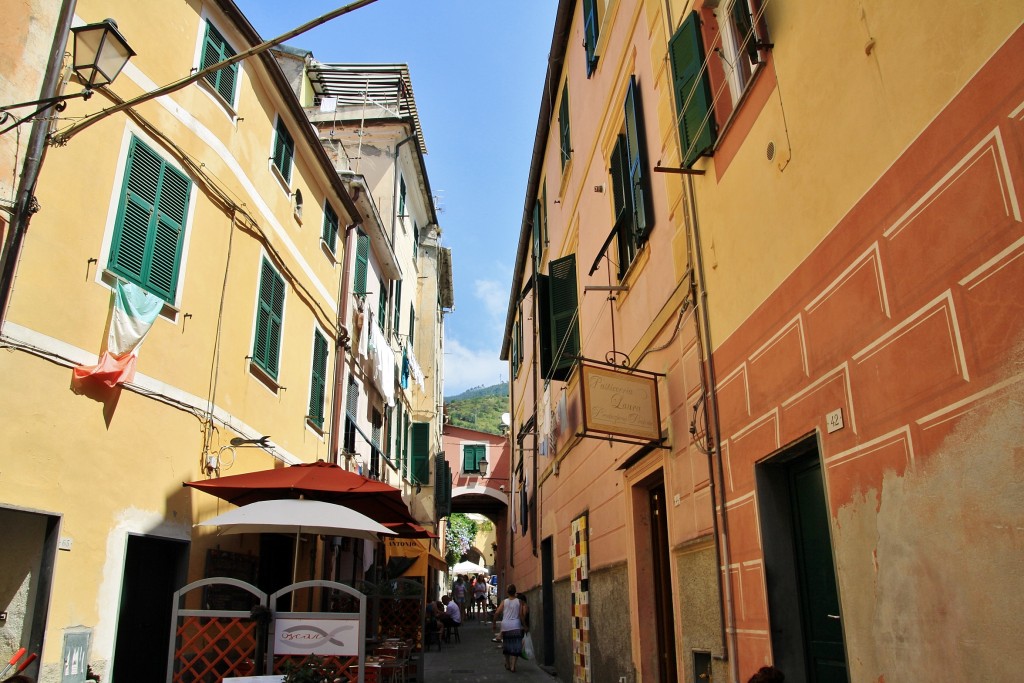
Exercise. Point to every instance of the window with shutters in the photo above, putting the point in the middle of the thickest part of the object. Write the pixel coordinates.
(591, 30)
(351, 413)
(329, 234)
(389, 421)
(149, 230)
(442, 487)
(266, 352)
(224, 81)
(397, 317)
(396, 455)
(412, 325)
(362, 265)
(318, 380)
(472, 455)
(710, 87)
(382, 306)
(415, 242)
(419, 466)
(630, 175)
(405, 445)
(559, 335)
(376, 422)
(284, 151)
(401, 197)
(741, 45)
(564, 139)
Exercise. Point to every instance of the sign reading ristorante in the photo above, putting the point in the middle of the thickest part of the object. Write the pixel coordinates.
(620, 403)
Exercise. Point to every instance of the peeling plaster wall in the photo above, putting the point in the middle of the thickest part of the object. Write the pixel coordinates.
(697, 611)
(930, 569)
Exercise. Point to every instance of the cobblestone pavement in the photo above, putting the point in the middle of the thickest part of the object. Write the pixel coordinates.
(476, 658)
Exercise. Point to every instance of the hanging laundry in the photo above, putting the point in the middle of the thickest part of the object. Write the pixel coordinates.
(404, 381)
(135, 309)
(416, 372)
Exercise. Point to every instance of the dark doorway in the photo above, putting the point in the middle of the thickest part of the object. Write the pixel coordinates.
(662, 585)
(547, 576)
(807, 636)
(277, 556)
(153, 569)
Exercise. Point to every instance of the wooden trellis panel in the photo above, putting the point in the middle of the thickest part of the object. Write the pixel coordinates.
(212, 648)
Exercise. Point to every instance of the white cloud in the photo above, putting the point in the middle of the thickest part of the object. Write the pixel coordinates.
(465, 368)
(494, 295)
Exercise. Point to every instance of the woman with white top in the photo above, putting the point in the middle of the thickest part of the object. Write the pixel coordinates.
(512, 613)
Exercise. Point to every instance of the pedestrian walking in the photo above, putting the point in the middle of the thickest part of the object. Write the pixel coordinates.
(512, 612)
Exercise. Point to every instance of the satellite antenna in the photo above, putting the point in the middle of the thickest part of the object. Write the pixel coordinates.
(506, 423)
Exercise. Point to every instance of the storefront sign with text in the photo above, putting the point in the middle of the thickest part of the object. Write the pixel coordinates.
(620, 403)
(316, 636)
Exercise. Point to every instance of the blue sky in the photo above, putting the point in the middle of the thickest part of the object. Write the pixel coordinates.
(477, 69)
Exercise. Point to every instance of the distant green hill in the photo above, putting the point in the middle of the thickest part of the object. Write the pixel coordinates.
(479, 408)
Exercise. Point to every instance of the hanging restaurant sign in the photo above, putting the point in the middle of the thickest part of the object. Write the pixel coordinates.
(620, 403)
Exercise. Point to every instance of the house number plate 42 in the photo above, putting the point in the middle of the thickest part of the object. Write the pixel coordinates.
(834, 420)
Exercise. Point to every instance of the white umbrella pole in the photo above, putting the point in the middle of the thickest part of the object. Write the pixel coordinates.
(295, 567)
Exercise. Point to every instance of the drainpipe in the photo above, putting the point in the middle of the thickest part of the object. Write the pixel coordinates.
(25, 204)
(714, 452)
(340, 357)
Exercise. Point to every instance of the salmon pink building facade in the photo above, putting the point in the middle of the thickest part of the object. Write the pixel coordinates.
(765, 342)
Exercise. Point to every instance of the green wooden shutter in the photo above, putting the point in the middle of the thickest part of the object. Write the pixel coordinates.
(622, 201)
(536, 232)
(351, 409)
(515, 348)
(472, 454)
(216, 49)
(639, 178)
(692, 90)
(401, 196)
(267, 347)
(544, 327)
(420, 469)
(412, 324)
(382, 305)
(442, 487)
(398, 308)
(565, 333)
(397, 455)
(590, 33)
(362, 262)
(330, 229)
(544, 214)
(405, 447)
(563, 126)
(284, 150)
(149, 231)
(318, 381)
(415, 242)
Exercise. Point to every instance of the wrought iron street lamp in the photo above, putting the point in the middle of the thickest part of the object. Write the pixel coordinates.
(100, 52)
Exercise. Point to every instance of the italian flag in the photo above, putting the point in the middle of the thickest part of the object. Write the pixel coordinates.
(135, 309)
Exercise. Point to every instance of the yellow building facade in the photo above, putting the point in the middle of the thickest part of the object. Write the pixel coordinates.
(191, 197)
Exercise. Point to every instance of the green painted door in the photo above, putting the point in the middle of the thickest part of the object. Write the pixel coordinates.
(822, 625)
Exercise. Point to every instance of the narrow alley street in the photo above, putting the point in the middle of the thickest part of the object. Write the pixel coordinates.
(477, 658)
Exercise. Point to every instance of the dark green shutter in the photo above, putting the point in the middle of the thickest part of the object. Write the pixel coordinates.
(565, 333)
(442, 487)
(686, 51)
(284, 150)
(401, 196)
(362, 262)
(397, 455)
(590, 33)
(639, 178)
(420, 469)
(544, 327)
(150, 227)
(267, 347)
(216, 49)
(330, 230)
(351, 408)
(412, 324)
(622, 201)
(405, 447)
(382, 306)
(544, 214)
(318, 381)
(415, 242)
(398, 308)
(743, 25)
(472, 455)
(515, 348)
(563, 126)
(536, 232)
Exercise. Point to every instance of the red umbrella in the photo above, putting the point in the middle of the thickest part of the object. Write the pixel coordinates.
(317, 481)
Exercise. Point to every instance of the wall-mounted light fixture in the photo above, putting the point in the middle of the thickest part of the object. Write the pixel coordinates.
(100, 52)
(482, 466)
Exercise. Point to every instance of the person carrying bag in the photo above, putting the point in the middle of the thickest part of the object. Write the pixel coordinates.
(513, 614)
